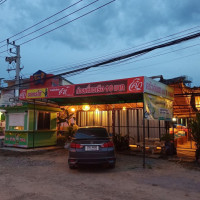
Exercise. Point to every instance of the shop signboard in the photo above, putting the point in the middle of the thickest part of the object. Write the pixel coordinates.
(159, 89)
(39, 77)
(22, 94)
(122, 86)
(61, 91)
(16, 139)
(136, 85)
(101, 88)
(156, 107)
(37, 93)
(6, 95)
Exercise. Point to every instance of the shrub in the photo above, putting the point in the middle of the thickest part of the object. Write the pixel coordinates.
(61, 140)
(65, 136)
(121, 142)
(194, 126)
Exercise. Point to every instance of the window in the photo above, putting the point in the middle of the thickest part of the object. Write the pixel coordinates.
(16, 121)
(43, 121)
(91, 133)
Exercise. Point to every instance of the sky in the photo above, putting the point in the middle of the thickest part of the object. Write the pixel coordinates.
(118, 28)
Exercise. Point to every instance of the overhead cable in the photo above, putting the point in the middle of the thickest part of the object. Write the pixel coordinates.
(122, 57)
(54, 22)
(42, 21)
(65, 23)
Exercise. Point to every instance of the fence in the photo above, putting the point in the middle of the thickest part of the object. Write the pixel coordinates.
(124, 122)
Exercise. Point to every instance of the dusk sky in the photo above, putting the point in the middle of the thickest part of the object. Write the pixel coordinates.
(118, 28)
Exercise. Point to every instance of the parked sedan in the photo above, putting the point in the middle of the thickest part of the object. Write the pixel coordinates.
(91, 145)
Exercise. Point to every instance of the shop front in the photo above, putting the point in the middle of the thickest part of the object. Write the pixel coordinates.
(31, 125)
(138, 107)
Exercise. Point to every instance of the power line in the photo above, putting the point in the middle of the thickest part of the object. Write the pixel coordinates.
(136, 68)
(64, 68)
(2, 1)
(161, 54)
(54, 22)
(86, 61)
(41, 21)
(126, 56)
(65, 23)
(68, 22)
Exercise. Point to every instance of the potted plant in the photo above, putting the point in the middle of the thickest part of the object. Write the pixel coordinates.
(170, 148)
(121, 142)
(194, 126)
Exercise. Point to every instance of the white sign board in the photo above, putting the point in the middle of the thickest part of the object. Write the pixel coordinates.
(159, 89)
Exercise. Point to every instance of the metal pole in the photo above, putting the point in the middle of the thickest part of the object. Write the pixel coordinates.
(34, 122)
(144, 149)
(173, 133)
(138, 130)
(17, 71)
(159, 129)
(113, 121)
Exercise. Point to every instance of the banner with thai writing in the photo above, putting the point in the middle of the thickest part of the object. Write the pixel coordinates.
(121, 86)
(132, 85)
(157, 108)
(37, 93)
(16, 139)
(111, 87)
(159, 89)
(61, 91)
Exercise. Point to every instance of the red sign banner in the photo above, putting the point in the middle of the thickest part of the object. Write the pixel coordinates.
(136, 85)
(121, 86)
(61, 91)
(100, 88)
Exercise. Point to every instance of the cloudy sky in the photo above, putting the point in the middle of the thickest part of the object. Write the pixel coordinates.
(118, 28)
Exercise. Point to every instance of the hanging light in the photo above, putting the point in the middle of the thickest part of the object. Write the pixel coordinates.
(73, 109)
(124, 108)
(174, 119)
(197, 102)
(97, 110)
(86, 107)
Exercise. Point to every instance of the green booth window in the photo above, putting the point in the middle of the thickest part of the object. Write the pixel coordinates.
(43, 122)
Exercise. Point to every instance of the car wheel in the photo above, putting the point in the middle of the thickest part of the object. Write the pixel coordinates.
(72, 167)
(112, 166)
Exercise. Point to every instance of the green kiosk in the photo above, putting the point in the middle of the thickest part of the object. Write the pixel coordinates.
(31, 125)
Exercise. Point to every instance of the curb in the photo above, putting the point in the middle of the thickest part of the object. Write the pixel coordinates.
(19, 151)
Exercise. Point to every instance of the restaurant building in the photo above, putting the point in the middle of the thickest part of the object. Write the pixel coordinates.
(138, 107)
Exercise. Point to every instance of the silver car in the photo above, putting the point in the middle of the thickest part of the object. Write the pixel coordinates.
(91, 145)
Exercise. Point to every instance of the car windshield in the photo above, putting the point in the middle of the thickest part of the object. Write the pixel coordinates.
(91, 133)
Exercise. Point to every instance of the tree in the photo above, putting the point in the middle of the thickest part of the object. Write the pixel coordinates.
(194, 127)
(65, 117)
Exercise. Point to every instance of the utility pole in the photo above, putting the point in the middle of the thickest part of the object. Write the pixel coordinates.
(15, 59)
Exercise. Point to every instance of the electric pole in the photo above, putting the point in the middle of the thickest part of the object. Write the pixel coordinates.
(17, 69)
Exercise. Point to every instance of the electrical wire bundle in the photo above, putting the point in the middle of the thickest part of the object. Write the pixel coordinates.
(2, 1)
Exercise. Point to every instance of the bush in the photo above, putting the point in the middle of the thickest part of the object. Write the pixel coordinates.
(65, 136)
(194, 126)
(61, 140)
(167, 137)
(121, 142)
(170, 148)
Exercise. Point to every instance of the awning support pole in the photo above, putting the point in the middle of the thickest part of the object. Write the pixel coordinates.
(144, 149)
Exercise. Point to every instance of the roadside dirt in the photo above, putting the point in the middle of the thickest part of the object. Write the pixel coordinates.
(46, 176)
